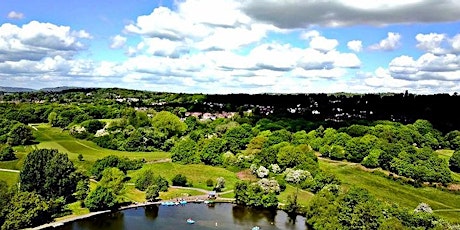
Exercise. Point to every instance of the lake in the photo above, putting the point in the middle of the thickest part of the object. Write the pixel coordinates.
(211, 216)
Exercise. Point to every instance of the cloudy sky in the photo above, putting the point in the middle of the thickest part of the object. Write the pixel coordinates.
(233, 46)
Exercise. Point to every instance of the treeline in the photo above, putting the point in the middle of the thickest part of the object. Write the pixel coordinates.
(340, 107)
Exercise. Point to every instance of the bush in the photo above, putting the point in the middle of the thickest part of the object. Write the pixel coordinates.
(179, 180)
(7, 153)
(209, 183)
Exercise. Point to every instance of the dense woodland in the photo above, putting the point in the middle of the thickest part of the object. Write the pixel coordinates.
(277, 137)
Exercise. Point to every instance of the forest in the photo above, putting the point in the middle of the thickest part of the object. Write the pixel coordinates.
(291, 146)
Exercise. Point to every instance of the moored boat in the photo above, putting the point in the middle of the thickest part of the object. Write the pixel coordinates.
(190, 221)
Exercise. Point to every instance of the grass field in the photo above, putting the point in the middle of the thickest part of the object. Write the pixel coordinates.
(392, 191)
(10, 178)
(56, 138)
(302, 197)
(197, 174)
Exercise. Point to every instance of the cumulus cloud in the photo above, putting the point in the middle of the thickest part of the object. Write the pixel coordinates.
(118, 42)
(36, 40)
(15, 15)
(305, 13)
(391, 42)
(355, 45)
(431, 42)
(440, 63)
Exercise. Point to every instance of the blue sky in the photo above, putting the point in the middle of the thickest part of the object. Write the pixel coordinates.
(233, 46)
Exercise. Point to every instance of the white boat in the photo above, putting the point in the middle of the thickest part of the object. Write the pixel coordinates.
(255, 228)
(190, 221)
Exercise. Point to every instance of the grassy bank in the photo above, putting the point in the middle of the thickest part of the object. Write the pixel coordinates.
(392, 191)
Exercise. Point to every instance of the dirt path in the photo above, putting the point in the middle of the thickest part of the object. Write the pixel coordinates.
(10, 170)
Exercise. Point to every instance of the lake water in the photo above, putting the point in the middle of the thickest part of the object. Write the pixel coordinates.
(213, 216)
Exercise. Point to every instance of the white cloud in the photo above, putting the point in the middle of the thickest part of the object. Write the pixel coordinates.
(431, 42)
(307, 13)
(426, 67)
(118, 42)
(323, 44)
(391, 42)
(35, 40)
(355, 45)
(15, 15)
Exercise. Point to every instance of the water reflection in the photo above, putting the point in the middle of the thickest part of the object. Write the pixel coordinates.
(216, 216)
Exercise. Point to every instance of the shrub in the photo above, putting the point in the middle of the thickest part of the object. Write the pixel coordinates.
(179, 180)
(209, 183)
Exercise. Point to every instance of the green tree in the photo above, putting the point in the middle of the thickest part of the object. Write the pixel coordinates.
(5, 197)
(102, 198)
(82, 189)
(26, 209)
(7, 153)
(113, 178)
(237, 138)
(184, 151)
(152, 192)
(372, 160)
(92, 126)
(179, 180)
(211, 154)
(168, 123)
(454, 161)
(20, 134)
(61, 180)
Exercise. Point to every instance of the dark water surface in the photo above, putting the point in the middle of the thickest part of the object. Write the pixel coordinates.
(215, 216)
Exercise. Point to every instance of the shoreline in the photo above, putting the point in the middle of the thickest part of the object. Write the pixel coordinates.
(61, 222)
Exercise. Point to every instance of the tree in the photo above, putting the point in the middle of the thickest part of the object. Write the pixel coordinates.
(211, 154)
(179, 180)
(48, 173)
(5, 196)
(26, 209)
(168, 123)
(237, 138)
(147, 178)
(113, 179)
(61, 180)
(82, 190)
(20, 134)
(152, 192)
(7, 153)
(92, 126)
(454, 161)
(184, 151)
(102, 198)
(220, 184)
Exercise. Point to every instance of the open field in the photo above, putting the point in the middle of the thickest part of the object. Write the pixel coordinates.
(51, 137)
(302, 197)
(197, 174)
(392, 191)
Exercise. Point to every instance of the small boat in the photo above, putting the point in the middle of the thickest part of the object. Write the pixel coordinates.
(183, 202)
(190, 221)
(255, 228)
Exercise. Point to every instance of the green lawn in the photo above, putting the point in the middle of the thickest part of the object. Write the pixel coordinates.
(197, 174)
(10, 178)
(302, 196)
(391, 191)
(51, 137)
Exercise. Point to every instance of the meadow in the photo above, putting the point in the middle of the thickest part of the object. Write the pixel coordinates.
(445, 203)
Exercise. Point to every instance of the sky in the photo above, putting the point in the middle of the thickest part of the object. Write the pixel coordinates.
(233, 46)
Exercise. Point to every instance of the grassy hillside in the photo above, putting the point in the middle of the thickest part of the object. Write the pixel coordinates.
(393, 191)
(197, 174)
(50, 137)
